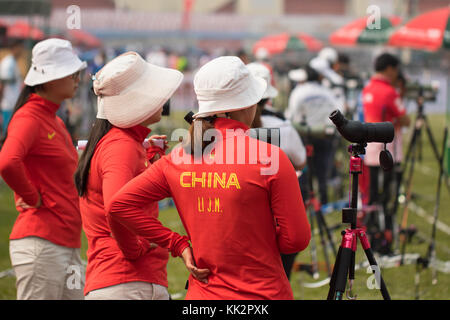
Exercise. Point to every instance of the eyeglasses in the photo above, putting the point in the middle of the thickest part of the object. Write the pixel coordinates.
(76, 75)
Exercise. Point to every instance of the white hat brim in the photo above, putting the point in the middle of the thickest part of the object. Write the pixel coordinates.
(142, 99)
(271, 92)
(243, 100)
(36, 76)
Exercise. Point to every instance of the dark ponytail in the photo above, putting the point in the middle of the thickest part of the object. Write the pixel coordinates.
(21, 100)
(196, 132)
(99, 129)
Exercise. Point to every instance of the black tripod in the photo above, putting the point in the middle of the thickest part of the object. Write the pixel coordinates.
(412, 153)
(314, 210)
(345, 260)
(424, 262)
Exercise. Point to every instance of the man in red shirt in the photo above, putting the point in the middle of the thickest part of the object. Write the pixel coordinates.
(381, 103)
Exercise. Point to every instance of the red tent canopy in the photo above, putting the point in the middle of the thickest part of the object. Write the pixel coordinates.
(278, 43)
(426, 31)
(356, 32)
(23, 30)
(79, 37)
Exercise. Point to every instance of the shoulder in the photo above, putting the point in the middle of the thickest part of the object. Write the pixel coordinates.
(386, 92)
(60, 121)
(117, 144)
(24, 117)
(270, 153)
(391, 92)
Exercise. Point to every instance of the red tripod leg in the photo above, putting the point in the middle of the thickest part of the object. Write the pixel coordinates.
(373, 263)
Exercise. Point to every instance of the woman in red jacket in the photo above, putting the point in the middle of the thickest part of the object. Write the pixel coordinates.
(131, 94)
(239, 199)
(38, 161)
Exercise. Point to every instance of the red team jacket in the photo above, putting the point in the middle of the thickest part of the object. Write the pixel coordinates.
(115, 255)
(381, 102)
(237, 219)
(38, 157)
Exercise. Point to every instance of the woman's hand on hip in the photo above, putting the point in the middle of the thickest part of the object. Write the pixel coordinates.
(22, 204)
(199, 274)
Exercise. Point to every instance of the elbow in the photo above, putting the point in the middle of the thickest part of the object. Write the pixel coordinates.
(112, 208)
(8, 164)
(297, 243)
(303, 241)
(4, 166)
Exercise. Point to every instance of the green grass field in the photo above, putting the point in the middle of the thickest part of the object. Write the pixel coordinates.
(399, 280)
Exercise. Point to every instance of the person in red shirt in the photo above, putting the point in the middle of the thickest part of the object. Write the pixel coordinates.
(381, 102)
(121, 265)
(37, 160)
(238, 198)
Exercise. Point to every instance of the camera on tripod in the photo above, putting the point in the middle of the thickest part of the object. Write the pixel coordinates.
(362, 133)
(357, 132)
(344, 268)
(428, 92)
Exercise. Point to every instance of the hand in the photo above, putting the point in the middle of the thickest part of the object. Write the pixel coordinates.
(188, 259)
(155, 158)
(24, 205)
(163, 137)
(153, 246)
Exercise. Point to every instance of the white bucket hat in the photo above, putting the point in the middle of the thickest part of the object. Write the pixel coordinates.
(298, 75)
(328, 54)
(225, 84)
(262, 54)
(260, 70)
(52, 59)
(130, 90)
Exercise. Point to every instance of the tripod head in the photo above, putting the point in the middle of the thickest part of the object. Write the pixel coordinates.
(357, 148)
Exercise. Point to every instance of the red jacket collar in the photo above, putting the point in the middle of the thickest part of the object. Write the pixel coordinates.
(138, 132)
(381, 78)
(45, 104)
(223, 124)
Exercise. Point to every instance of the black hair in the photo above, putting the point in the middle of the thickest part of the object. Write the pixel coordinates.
(343, 58)
(21, 100)
(385, 60)
(241, 52)
(99, 129)
(312, 75)
(195, 138)
(257, 123)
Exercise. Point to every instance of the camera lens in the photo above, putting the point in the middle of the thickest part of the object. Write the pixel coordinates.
(337, 118)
